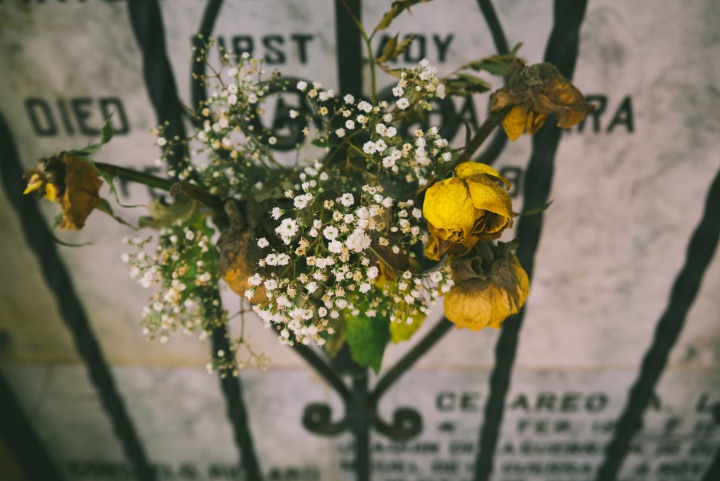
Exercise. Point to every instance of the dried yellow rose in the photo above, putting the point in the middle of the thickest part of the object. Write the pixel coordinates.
(465, 209)
(488, 288)
(239, 255)
(532, 93)
(72, 182)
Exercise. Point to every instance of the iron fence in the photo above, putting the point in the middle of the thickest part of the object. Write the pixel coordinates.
(347, 380)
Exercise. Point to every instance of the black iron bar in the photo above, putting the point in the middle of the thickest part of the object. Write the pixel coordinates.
(359, 415)
(418, 350)
(349, 47)
(496, 30)
(700, 251)
(237, 413)
(561, 50)
(40, 240)
(147, 25)
(230, 384)
(499, 141)
(713, 471)
(22, 441)
(324, 370)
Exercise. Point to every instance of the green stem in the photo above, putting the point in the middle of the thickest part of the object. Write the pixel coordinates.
(174, 188)
(492, 121)
(135, 176)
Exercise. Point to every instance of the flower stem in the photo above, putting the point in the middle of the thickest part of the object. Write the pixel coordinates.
(492, 121)
(135, 176)
(174, 188)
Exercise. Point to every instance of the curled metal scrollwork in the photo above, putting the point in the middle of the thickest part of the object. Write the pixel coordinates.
(406, 424)
(317, 418)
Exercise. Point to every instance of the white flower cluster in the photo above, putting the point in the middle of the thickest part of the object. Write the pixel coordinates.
(184, 268)
(343, 255)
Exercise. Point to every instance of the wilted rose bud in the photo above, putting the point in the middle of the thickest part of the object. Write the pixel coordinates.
(465, 209)
(533, 93)
(72, 182)
(239, 256)
(490, 285)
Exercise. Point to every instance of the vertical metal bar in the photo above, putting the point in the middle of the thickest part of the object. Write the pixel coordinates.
(713, 472)
(22, 440)
(349, 47)
(231, 386)
(149, 32)
(700, 252)
(418, 350)
(40, 240)
(497, 144)
(496, 30)
(360, 419)
(350, 81)
(237, 414)
(562, 51)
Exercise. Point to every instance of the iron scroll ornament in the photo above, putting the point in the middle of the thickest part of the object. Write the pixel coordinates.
(288, 129)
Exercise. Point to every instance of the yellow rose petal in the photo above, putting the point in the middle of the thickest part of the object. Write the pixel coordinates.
(449, 207)
(487, 195)
(34, 183)
(468, 169)
(514, 122)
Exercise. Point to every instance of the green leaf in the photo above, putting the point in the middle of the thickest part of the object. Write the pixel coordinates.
(393, 49)
(106, 131)
(323, 142)
(402, 331)
(534, 211)
(367, 336)
(397, 7)
(388, 50)
(105, 207)
(162, 215)
(106, 134)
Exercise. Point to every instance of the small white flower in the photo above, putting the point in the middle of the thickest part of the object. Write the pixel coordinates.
(364, 106)
(358, 241)
(233, 72)
(403, 103)
(347, 200)
(335, 247)
(340, 133)
(330, 232)
(349, 99)
(365, 287)
(301, 85)
(294, 114)
(287, 228)
(372, 273)
(350, 124)
(369, 147)
(276, 213)
(397, 91)
(232, 99)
